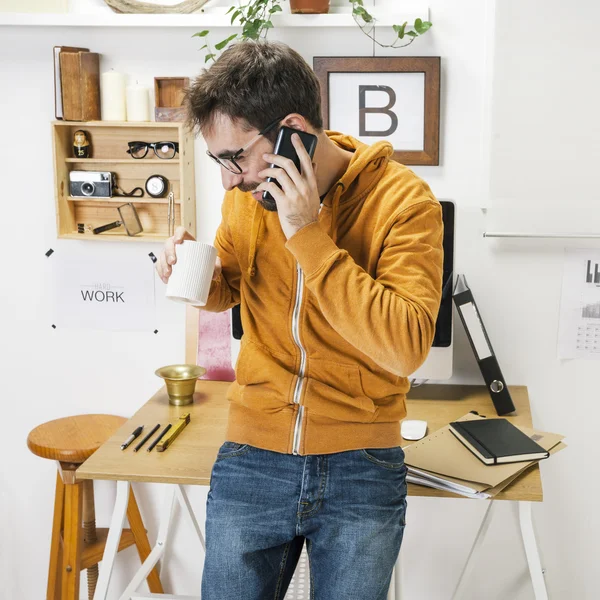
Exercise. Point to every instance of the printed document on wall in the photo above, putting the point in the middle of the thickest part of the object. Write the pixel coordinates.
(102, 288)
(579, 327)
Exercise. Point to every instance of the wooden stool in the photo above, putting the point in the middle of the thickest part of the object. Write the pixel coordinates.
(70, 441)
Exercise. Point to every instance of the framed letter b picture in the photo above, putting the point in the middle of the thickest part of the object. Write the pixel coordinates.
(385, 98)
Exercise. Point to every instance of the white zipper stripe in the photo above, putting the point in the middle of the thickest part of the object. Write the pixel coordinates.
(300, 380)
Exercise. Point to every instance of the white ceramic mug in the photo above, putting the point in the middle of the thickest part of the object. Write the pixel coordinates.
(192, 273)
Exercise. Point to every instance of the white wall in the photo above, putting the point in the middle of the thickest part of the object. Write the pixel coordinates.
(543, 149)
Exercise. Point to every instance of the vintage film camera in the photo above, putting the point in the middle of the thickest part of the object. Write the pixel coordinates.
(91, 184)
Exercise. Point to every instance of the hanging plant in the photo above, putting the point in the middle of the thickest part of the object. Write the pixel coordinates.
(254, 17)
(407, 32)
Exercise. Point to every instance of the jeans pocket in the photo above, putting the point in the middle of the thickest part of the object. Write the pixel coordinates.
(389, 458)
(230, 449)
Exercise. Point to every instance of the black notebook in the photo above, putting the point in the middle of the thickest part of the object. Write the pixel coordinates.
(496, 441)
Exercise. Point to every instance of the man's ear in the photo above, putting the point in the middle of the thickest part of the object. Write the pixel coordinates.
(295, 121)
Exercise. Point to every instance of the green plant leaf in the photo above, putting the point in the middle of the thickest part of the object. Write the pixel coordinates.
(399, 29)
(412, 34)
(201, 33)
(230, 9)
(421, 27)
(268, 25)
(252, 29)
(275, 9)
(208, 57)
(359, 11)
(224, 43)
(235, 15)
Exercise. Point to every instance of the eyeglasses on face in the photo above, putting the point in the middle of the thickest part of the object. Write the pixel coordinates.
(164, 150)
(230, 162)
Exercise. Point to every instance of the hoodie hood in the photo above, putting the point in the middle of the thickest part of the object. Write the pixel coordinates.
(365, 169)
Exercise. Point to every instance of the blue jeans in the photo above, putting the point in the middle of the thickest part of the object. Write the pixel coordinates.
(350, 507)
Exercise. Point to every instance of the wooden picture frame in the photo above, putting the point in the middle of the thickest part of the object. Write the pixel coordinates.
(428, 123)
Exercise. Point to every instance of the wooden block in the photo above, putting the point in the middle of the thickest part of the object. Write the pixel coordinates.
(168, 91)
(90, 85)
(168, 98)
(70, 82)
(80, 82)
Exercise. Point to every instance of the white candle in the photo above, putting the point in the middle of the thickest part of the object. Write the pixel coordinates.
(138, 100)
(112, 94)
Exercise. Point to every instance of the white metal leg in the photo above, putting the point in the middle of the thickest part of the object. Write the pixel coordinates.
(397, 578)
(157, 551)
(531, 551)
(112, 541)
(187, 510)
(391, 595)
(476, 546)
(173, 493)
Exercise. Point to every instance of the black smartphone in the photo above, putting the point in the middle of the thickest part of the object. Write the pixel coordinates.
(285, 147)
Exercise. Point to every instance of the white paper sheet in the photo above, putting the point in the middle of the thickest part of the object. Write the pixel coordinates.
(100, 288)
(579, 326)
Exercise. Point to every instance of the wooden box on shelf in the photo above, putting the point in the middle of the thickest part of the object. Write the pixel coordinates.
(109, 147)
(168, 98)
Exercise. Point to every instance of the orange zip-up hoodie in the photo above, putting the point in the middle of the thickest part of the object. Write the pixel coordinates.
(337, 317)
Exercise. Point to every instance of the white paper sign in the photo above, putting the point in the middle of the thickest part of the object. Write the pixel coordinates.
(579, 328)
(98, 288)
(393, 107)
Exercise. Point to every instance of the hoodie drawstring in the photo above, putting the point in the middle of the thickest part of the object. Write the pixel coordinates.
(339, 189)
(257, 220)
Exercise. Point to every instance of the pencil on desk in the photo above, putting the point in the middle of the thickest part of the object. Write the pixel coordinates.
(162, 433)
(146, 438)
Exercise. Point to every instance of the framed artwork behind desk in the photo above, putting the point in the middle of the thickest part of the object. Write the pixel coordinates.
(385, 98)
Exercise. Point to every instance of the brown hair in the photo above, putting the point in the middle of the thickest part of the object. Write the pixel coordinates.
(255, 82)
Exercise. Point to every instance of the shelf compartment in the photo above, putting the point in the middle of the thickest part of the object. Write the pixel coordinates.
(122, 200)
(109, 142)
(94, 213)
(127, 161)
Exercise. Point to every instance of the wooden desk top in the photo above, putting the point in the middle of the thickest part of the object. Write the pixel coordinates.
(189, 461)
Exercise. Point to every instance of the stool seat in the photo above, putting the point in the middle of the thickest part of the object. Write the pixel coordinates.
(73, 439)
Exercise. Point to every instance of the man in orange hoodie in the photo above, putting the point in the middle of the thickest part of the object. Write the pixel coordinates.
(339, 284)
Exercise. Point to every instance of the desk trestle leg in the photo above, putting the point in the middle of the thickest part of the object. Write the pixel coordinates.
(112, 541)
(173, 492)
(460, 586)
(531, 551)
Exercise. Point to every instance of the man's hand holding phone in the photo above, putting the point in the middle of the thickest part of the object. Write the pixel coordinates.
(298, 199)
(168, 256)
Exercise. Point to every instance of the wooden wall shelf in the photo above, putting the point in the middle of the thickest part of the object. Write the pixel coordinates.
(211, 17)
(109, 153)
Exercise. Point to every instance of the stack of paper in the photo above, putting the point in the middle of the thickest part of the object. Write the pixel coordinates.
(440, 461)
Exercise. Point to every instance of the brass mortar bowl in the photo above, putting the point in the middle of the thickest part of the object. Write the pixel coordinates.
(181, 382)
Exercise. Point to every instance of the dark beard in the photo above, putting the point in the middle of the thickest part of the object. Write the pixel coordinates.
(269, 205)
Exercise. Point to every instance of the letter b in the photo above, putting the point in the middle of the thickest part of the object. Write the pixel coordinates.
(362, 90)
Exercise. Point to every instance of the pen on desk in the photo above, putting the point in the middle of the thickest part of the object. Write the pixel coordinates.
(132, 437)
(146, 438)
(160, 435)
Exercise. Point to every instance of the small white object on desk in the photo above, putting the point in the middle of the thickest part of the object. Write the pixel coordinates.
(413, 429)
(112, 94)
(138, 103)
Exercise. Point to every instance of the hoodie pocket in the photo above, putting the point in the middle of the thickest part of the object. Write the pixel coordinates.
(335, 390)
(264, 377)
